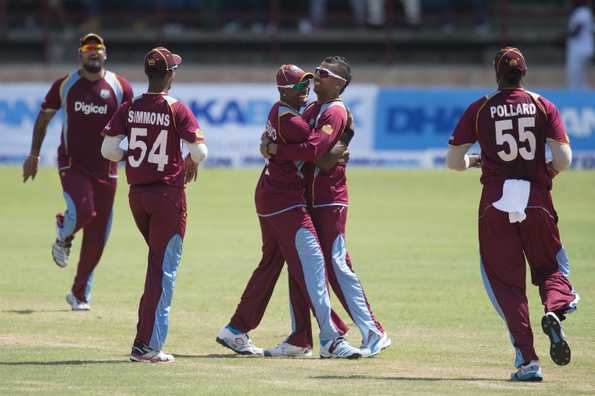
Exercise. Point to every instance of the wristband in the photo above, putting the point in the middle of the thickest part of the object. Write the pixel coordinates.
(34, 156)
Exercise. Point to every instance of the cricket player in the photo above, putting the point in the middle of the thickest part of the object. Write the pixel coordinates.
(327, 205)
(89, 97)
(156, 124)
(288, 233)
(517, 218)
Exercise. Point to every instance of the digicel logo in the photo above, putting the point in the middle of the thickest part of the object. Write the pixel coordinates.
(90, 108)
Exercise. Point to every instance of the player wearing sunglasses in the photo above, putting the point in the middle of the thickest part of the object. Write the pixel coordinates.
(89, 96)
(288, 235)
(327, 205)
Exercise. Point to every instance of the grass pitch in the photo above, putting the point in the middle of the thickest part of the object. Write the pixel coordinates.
(413, 239)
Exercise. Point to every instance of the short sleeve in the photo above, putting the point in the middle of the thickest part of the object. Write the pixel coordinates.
(465, 132)
(127, 93)
(117, 125)
(555, 128)
(53, 101)
(186, 124)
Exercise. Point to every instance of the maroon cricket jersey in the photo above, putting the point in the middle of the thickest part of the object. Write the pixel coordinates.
(281, 185)
(155, 124)
(328, 121)
(88, 106)
(511, 126)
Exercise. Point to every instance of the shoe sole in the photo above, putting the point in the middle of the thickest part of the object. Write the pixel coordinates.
(559, 348)
(57, 262)
(351, 357)
(243, 353)
(302, 356)
(74, 308)
(530, 379)
(137, 360)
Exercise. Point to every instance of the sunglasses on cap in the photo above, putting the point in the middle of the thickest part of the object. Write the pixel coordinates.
(91, 47)
(297, 86)
(325, 73)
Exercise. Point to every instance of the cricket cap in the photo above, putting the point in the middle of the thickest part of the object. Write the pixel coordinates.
(160, 60)
(288, 75)
(510, 60)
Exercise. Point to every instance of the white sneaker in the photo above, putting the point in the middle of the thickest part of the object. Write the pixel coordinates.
(239, 343)
(530, 372)
(76, 304)
(375, 344)
(288, 350)
(60, 253)
(339, 348)
(144, 354)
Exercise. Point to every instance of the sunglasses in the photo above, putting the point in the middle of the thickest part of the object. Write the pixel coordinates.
(325, 73)
(297, 86)
(91, 47)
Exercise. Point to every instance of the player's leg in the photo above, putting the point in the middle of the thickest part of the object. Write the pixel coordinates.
(330, 225)
(255, 298)
(95, 235)
(80, 210)
(549, 271)
(305, 262)
(259, 289)
(301, 325)
(166, 207)
(503, 272)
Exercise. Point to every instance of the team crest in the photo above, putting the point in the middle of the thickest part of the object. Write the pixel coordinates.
(327, 128)
(513, 62)
(104, 93)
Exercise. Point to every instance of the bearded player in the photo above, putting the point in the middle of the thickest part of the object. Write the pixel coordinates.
(89, 97)
(288, 235)
(517, 219)
(327, 205)
(156, 124)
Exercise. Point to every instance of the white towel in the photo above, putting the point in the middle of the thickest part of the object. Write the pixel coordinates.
(515, 197)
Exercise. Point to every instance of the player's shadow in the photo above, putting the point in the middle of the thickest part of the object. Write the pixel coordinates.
(32, 311)
(400, 378)
(63, 362)
(215, 356)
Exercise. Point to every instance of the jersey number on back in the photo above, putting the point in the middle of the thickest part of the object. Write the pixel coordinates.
(503, 138)
(156, 154)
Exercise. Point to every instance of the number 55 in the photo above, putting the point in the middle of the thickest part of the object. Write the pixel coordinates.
(513, 147)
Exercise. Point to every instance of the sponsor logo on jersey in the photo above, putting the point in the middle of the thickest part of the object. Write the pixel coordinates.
(271, 131)
(89, 108)
(105, 94)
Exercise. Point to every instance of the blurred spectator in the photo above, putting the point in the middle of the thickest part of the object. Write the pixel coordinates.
(377, 12)
(579, 44)
(318, 10)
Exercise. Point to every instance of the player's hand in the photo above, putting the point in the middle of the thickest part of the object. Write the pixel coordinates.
(190, 169)
(551, 170)
(474, 160)
(264, 141)
(30, 167)
(349, 124)
(344, 158)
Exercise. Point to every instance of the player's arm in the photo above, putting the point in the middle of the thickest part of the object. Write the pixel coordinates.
(189, 131)
(458, 159)
(561, 157)
(319, 141)
(40, 128)
(339, 154)
(113, 134)
(462, 139)
(557, 140)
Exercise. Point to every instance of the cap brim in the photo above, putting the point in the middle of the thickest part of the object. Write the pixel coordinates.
(306, 75)
(92, 36)
(177, 59)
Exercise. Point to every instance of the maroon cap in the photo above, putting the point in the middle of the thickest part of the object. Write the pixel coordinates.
(510, 60)
(161, 59)
(288, 75)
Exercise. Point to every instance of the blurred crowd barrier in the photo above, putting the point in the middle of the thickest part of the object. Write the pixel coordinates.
(398, 127)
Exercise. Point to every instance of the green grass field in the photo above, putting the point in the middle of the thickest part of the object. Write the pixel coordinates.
(412, 237)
